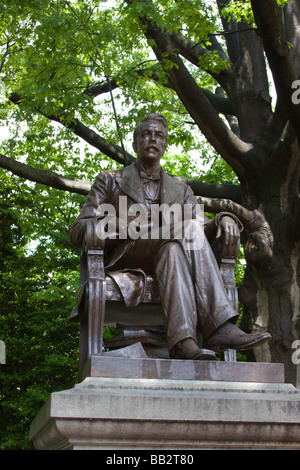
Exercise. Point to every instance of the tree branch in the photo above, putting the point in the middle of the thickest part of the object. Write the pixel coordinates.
(291, 21)
(232, 39)
(193, 52)
(111, 150)
(100, 88)
(232, 149)
(46, 177)
(211, 190)
(269, 21)
(282, 177)
(220, 103)
(52, 179)
(293, 225)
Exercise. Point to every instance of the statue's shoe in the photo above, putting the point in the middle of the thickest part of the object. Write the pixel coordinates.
(229, 336)
(188, 349)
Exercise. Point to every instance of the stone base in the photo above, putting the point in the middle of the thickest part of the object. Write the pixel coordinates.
(155, 414)
(145, 368)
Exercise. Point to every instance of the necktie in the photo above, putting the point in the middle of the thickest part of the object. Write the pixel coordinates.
(147, 178)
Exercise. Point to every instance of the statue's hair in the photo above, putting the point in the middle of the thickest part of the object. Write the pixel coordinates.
(150, 117)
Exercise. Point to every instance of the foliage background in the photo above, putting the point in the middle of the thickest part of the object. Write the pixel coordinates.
(39, 270)
(37, 291)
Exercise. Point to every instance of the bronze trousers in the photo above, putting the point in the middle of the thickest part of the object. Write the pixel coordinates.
(190, 284)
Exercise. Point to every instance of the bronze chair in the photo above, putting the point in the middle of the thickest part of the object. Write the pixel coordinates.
(99, 301)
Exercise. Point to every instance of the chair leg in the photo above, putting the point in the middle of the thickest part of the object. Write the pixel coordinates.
(96, 313)
(227, 273)
(83, 343)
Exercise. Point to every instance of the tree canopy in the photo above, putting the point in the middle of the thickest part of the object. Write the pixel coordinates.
(90, 68)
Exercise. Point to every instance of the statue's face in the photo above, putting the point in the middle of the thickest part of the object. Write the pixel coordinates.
(150, 144)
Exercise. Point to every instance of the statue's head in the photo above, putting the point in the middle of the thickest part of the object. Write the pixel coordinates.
(150, 137)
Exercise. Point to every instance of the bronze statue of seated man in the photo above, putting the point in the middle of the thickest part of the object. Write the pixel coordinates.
(189, 281)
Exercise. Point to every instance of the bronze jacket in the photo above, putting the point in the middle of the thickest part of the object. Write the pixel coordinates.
(107, 189)
(110, 185)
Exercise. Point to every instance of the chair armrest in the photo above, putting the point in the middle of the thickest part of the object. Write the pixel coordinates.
(94, 249)
(93, 257)
(92, 254)
(92, 241)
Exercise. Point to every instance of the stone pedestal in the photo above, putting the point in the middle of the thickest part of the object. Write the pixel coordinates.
(119, 413)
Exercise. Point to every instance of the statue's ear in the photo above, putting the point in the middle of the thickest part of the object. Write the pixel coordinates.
(134, 146)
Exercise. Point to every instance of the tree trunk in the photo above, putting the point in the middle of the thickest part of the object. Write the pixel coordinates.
(270, 291)
(270, 294)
